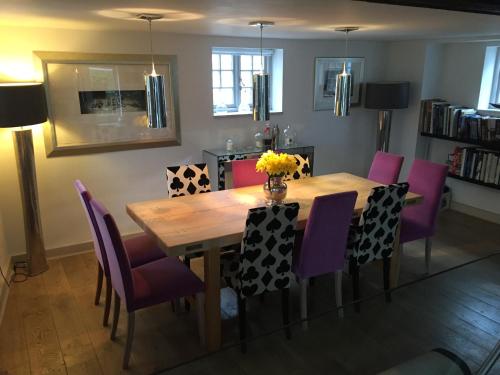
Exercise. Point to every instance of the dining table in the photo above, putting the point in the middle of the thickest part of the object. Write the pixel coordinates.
(205, 223)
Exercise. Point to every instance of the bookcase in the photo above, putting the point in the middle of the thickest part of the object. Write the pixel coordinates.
(476, 157)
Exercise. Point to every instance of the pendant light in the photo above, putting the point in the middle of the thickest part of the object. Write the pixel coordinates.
(155, 85)
(261, 82)
(343, 81)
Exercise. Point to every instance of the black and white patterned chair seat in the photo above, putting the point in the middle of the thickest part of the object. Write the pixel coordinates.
(373, 237)
(187, 180)
(264, 263)
(303, 168)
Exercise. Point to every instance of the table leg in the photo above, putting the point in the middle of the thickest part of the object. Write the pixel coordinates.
(395, 261)
(212, 299)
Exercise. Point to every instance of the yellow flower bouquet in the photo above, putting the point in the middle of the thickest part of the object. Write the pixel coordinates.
(276, 165)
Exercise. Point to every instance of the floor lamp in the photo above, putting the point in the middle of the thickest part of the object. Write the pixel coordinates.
(386, 96)
(23, 104)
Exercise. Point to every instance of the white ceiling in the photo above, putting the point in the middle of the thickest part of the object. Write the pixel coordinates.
(313, 19)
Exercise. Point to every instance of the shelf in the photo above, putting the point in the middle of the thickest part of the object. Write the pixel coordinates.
(475, 182)
(494, 145)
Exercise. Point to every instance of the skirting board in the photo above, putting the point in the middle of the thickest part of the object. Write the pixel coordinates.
(476, 212)
(4, 289)
(65, 251)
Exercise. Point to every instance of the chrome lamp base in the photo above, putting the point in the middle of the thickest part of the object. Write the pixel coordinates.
(25, 158)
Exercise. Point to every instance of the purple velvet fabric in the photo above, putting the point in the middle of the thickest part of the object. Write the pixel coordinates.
(419, 221)
(244, 173)
(324, 241)
(385, 168)
(163, 280)
(119, 265)
(140, 249)
(152, 283)
(85, 198)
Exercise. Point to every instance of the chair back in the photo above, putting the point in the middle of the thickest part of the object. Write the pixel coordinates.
(303, 168)
(325, 237)
(119, 263)
(187, 180)
(385, 168)
(427, 179)
(375, 234)
(266, 249)
(85, 198)
(244, 173)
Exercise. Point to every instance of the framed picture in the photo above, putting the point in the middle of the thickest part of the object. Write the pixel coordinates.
(325, 73)
(97, 102)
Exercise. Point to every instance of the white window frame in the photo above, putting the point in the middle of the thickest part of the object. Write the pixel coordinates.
(273, 64)
(490, 82)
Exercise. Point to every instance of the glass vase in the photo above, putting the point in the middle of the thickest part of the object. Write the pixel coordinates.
(275, 190)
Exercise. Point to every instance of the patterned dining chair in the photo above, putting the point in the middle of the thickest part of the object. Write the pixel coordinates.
(165, 279)
(265, 261)
(141, 249)
(187, 180)
(322, 248)
(303, 168)
(419, 221)
(372, 238)
(244, 173)
(385, 168)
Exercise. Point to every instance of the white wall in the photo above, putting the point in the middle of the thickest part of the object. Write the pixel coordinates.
(120, 177)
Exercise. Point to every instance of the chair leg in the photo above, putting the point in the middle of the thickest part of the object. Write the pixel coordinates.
(100, 275)
(107, 303)
(428, 248)
(242, 320)
(184, 301)
(285, 309)
(354, 270)
(200, 309)
(130, 338)
(387, 279)
(338, 293)
(303, 302)
(116, 316)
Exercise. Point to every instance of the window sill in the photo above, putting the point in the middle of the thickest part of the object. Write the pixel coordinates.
(489, 112)
(237, 114)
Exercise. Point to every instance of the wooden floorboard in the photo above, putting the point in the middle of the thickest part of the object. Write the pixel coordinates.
(51, 325)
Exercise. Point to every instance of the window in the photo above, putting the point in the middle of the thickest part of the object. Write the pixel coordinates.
(232, 71)
(490, 83)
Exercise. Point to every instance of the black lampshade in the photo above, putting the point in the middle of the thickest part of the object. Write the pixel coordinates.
(387, 95)
(22, 104)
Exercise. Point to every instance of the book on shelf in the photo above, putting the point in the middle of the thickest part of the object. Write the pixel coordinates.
(476, 164)
(440, 118)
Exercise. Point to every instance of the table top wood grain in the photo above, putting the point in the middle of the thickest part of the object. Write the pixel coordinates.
(204, 221)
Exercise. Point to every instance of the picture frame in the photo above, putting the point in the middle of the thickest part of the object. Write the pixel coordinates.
(325, 72)
(97, 102)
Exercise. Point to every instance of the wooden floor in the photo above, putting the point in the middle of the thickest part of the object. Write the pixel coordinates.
(51, 325)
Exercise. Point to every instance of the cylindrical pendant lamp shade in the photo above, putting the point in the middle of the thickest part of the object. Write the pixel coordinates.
(387, 95)
(22, 104)
(155, 98)
(343, 93)
(261, 97)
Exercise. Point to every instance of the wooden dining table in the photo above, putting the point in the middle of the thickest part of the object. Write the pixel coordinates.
(204, 223)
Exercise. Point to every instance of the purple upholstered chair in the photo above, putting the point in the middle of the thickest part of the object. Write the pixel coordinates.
(385, 168)
(165, 279)
(244, 173)
(140, 249)
(323, 246)
(419, 221)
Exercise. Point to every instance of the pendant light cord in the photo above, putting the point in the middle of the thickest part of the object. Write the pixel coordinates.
(261, 57)
(346, 36)
(151, 46)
